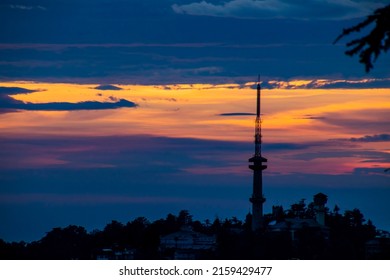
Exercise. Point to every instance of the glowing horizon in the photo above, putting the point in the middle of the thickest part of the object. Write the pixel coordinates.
(313, 117)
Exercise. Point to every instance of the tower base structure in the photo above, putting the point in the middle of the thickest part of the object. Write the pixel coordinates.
(257, 199)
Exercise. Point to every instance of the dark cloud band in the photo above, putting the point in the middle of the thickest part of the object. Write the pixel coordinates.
(8, 103)
(372, 138)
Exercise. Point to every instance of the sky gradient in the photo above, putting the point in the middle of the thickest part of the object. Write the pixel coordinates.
(110, 110)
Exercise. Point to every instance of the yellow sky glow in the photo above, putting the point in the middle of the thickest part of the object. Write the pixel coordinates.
(194, 111)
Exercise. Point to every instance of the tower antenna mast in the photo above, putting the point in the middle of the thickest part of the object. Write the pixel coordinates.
(258, 165)
(258, 121)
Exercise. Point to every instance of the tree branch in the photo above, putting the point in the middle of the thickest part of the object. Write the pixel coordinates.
(378, 40)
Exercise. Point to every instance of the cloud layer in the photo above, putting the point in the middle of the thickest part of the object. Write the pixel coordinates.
(327, 84)
(372, 138)
(154, 41)
(66, 176)
(108, 87)
(8, 103)
(269, 9)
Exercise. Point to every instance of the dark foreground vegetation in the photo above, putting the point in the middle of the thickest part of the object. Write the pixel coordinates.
(346, 236)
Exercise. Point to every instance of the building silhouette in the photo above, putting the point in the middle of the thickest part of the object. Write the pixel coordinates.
(298, 221)
(187, 244)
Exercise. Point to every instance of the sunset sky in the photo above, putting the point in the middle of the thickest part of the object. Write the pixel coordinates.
(111, 110)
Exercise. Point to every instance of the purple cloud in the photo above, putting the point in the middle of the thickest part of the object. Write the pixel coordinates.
(372, 138)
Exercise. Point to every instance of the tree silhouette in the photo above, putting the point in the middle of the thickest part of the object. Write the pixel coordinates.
(62, 244)
(370, 46)
(347, 238)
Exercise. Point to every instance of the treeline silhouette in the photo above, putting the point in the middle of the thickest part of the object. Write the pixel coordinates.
(346, 238)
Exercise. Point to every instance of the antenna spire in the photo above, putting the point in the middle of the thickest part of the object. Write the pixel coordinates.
(258, 122)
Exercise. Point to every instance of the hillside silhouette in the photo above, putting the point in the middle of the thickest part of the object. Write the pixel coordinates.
(344, 236)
